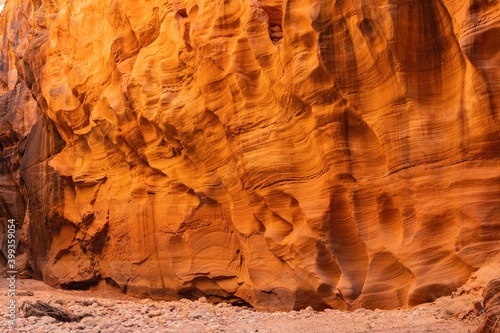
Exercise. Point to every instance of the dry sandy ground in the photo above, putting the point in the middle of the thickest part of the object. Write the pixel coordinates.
(120, 313)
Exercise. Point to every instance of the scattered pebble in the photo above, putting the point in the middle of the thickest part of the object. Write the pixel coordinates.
(154, 313)
(88, 322)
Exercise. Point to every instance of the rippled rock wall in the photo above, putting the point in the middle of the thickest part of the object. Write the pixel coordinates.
(277, 153)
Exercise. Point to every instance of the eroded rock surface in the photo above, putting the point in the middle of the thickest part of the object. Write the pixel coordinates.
(273, 153)
(491, 294)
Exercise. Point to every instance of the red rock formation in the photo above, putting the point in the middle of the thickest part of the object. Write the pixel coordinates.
(491, 294)
(276, 153)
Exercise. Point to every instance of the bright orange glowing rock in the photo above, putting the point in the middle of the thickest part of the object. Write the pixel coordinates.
(274, 153)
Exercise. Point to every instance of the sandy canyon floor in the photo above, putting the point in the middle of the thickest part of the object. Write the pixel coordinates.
(111, 312)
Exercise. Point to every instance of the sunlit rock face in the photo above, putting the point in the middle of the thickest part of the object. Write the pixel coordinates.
(273, 153)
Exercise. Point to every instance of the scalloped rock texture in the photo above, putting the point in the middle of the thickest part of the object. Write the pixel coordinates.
(276, 153)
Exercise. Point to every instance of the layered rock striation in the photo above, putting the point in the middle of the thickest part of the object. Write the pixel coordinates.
(491, 297)
(276, 153)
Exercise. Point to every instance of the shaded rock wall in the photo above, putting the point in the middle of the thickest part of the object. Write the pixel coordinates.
(277, 153)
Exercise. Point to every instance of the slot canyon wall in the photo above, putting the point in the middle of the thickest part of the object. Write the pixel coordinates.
(275, 153)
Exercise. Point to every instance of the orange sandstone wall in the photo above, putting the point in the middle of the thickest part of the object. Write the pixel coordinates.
(278, 153)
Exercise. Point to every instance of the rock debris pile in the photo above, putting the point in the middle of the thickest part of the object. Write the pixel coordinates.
(109, 313)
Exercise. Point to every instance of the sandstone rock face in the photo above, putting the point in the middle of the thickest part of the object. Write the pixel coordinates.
(277, 153)
(491, 295)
